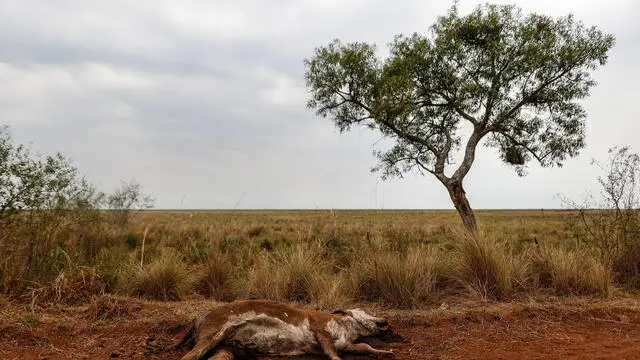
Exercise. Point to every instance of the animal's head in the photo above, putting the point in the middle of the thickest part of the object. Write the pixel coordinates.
(367, 325)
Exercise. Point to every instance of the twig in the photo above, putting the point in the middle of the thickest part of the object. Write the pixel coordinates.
(144, 238)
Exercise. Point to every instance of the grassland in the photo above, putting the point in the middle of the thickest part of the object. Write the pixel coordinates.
(394, 258)
(131, 284)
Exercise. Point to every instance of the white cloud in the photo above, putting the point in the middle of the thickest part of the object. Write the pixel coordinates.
(207, 99)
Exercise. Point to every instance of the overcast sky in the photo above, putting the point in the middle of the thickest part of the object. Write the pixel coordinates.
(203, 102)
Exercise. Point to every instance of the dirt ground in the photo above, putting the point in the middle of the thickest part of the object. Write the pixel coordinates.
(131, 329)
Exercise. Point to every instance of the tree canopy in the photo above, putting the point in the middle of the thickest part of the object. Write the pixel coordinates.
(514, 79)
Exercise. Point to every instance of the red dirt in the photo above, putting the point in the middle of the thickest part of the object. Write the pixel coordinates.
(604, 330)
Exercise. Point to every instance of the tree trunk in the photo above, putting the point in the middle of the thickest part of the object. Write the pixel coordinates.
(459, 198)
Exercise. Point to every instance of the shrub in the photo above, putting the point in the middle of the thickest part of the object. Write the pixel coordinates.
(614, 229)
(133, 240)
(126, 197)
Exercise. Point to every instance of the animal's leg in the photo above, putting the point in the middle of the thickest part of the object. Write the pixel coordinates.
(203, 346)
(198, 351)
(222, 354)
(326, 343)
(363, 348)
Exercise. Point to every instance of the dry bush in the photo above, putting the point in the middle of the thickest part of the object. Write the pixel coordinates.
(70, 288)
(108, 307)
(488, 269)
(614, 229)
(572, 272)
(215, 278)
(165, 278)
(395, 279)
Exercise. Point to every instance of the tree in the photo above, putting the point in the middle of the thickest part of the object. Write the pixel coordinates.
(515, 80)
(126, 197)
(30, 182)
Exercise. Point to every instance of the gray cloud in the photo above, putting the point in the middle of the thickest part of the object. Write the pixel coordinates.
(205, 100)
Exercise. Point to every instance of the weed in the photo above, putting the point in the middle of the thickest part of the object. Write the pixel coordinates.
(133, 240)
(30, 319)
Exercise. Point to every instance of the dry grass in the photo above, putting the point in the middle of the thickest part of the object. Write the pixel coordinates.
(401, 259)
(299, 274)
(108, 307)
(574, 272)
(487, 268)
(69, 288)
(215, 278)
(166, 278)
(397, 279)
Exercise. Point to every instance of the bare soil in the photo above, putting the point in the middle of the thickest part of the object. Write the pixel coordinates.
(131, 329)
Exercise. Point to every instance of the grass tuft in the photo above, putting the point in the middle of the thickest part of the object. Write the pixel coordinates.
(394, 279)
(166, 278)
(488, 269)
(215, 278)
(70, 288)
(572, 272)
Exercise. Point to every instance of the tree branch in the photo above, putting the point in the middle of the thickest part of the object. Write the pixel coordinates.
(518, 143)
(527, 98)
(469, 154)
(458, 110)
(441, 158)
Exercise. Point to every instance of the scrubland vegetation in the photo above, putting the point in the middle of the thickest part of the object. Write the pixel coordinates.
(400, 259)
(67, 243)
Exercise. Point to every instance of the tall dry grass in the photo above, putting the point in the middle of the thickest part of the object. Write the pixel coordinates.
(401, 259)
(575, 272)
(300, 274)
(396, 279)
(487, 268)
(215, 278)
(166, 277)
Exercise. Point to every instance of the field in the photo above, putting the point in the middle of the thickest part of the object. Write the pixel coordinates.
(534, 285)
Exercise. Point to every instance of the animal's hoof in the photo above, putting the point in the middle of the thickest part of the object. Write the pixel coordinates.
(380, 354)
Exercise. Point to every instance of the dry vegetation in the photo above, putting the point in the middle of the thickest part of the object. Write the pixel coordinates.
(399, 259)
